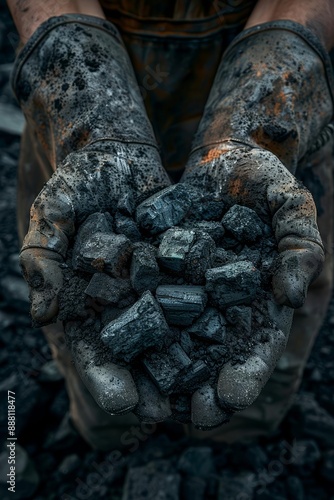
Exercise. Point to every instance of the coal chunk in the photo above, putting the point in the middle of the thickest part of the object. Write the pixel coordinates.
(240, 317)
(229, 242)
(251, 254)
(126, 204)
(199, 259)
(295, 488)
(166, 368)
(223, 256)
(210, 326)
(197, 461)
(327, 469)
(64, 438)
(243, 223)
(193, 488)
(145, 483)
(16, 292)
(174, 248)
(214, 229)
(139, 328)
(166, 208)
(188, 251)
(208, 209)
(178, 355)
(181, 304)
(217, 352)
(186, 342)
(106, 289)
(308, 453)
(95, 223)
(240, 485)
(144, 271)
(314, 420)
(233, 284)
(127, 226)
(193, 377)
(110, 313)
(252, 457)
(102, 252)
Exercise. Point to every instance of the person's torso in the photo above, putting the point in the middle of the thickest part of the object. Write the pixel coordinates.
(175, 47)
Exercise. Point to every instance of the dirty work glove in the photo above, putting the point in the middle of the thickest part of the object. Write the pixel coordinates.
(76, 87)
(269, 103)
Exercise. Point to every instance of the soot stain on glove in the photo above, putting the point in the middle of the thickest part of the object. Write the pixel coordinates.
(310, 179)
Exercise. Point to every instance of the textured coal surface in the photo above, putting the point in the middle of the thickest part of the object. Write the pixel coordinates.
(68, 469)
(191, 305)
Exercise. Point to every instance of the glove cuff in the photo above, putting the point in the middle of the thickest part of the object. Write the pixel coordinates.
(273, 90)
(43, 31)
(76, 86)
(297, 29)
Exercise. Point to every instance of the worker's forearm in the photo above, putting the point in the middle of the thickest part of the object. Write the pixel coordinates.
(317, 15)
(29, 14)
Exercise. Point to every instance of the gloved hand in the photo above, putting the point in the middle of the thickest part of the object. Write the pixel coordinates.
(270, 102)
(75, 84)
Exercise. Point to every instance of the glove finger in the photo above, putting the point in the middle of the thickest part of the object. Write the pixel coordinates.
(44, 248)
(240, 385)
(301, 252)
(153, 407)
(205, 411)
(52, 219)
(281, 316)
(256, 178)
(111, 386)
(41, 269)
(295, 271)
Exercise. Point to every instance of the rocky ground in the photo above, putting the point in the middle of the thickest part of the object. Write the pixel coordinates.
(53, 462)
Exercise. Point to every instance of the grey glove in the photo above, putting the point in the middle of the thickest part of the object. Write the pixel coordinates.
(75, 84)
(271, 100)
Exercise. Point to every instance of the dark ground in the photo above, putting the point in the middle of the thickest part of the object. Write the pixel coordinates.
(53, 462)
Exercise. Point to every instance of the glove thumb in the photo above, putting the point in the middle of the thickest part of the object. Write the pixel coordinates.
(41, 269)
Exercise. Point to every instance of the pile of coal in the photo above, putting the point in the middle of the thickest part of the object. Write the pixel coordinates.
(171, 294)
